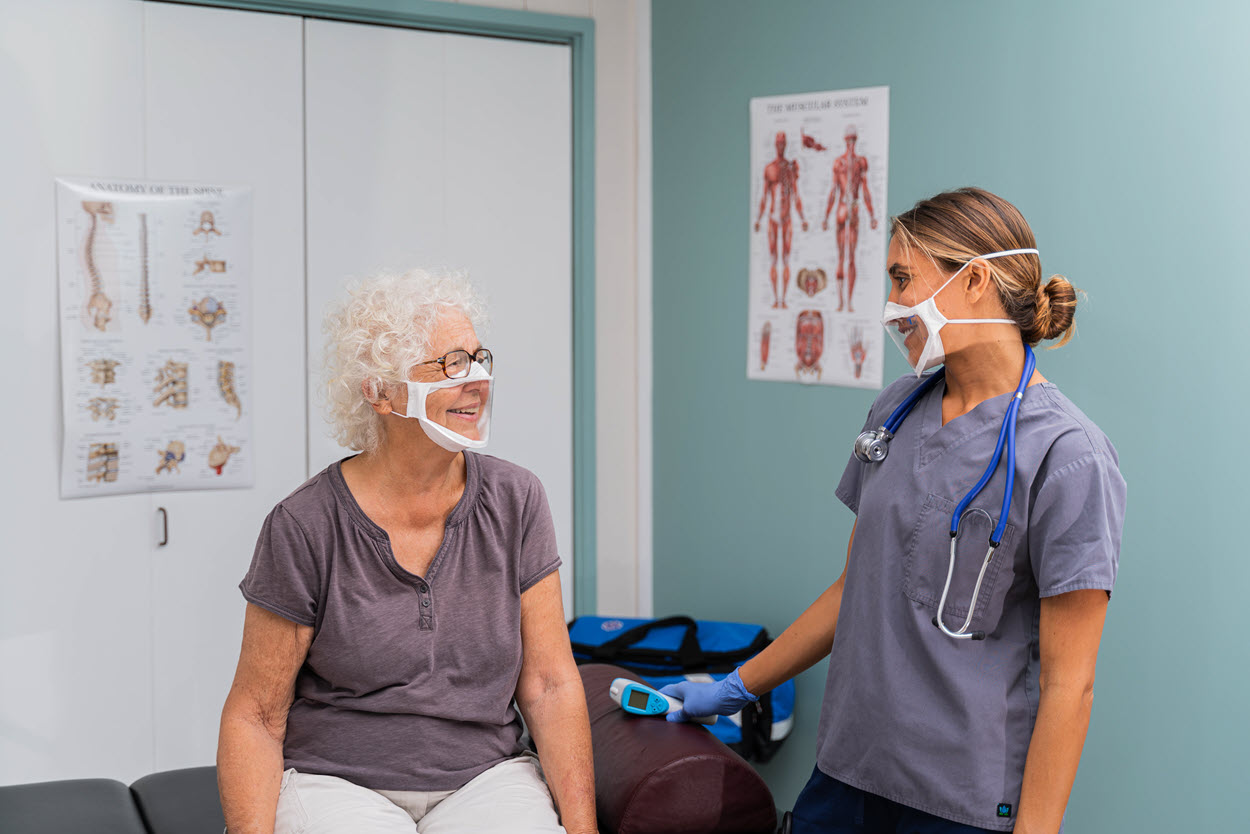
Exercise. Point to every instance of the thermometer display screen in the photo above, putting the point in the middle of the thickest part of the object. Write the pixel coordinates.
(638, 699)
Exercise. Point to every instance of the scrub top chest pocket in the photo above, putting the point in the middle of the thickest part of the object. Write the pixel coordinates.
(927, 560)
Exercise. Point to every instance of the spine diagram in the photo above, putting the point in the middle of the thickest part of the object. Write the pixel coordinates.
(208, 312)
(220, 454)
(102, 459)
(105, 407)
(225, 384)
(98, 304)
(171, 385)
(154, 311)
(207, 263)
(145, 297)
(208, 226)
(172, 455)
(103, 371)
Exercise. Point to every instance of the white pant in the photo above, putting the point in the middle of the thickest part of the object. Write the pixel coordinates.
(510, 797)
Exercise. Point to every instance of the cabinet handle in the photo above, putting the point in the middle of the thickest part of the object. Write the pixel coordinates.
(164, 527)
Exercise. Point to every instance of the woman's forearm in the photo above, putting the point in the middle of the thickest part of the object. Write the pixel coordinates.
(249, 772)
(558, 721)
(802, 645)
(1054, 753)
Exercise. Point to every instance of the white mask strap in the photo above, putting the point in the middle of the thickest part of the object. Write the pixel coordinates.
(969, 262)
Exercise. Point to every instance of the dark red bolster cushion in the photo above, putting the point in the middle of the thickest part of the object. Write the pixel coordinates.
(654, 777)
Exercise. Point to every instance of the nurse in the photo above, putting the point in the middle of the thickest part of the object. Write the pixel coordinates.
(923, 729)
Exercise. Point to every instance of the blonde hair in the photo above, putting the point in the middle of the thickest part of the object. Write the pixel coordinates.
(955, 227)
(376, 334)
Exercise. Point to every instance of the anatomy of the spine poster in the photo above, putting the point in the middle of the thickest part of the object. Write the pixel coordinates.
(818, 237)
(155, 336)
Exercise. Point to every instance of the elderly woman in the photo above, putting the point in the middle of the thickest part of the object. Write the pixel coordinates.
(401, 600)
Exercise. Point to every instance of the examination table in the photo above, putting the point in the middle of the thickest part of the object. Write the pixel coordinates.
(651, 777)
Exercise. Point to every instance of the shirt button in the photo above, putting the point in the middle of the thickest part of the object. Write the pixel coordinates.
(425, 603)
(422, 587)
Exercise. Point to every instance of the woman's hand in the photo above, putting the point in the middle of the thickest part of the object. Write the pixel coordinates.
(724, 697)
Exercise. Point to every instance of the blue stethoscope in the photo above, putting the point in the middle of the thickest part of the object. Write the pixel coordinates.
(873, 445)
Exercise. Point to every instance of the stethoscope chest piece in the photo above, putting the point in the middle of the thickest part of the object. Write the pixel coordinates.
(873, 445)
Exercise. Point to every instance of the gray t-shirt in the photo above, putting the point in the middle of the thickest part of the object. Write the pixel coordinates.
(409, 680)
(910, 714)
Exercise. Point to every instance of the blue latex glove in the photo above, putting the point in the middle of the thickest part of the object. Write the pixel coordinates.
(724, 697)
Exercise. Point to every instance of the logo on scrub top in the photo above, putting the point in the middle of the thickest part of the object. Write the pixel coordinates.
(1004, 810)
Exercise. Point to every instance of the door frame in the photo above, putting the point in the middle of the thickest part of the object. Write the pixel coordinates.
(578, 34)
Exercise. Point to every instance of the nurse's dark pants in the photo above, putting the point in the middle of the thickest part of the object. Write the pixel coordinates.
(827, 806)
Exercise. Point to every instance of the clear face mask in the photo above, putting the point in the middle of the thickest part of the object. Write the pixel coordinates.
(464, 420)
(917, 330)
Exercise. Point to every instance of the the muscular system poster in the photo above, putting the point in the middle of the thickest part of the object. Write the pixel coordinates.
(817, 224)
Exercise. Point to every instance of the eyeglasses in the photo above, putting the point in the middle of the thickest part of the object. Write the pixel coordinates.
(456, 364)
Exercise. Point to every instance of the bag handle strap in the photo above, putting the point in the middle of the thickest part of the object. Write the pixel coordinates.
(688, 652)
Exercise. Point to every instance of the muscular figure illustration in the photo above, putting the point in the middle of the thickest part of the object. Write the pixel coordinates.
(781, 185)
(98, 304)
(809, 342)
(858, 353)
(765, 338)
(850, 176)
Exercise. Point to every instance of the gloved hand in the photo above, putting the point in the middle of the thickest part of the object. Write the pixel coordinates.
(723, 697)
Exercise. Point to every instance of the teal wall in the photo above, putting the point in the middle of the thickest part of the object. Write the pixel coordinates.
(1120, 129)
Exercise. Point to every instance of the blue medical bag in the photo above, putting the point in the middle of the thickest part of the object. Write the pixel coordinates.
(674, 649)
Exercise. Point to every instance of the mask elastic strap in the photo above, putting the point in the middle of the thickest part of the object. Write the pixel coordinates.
(988, 257)
(981, 321)
(967, 263)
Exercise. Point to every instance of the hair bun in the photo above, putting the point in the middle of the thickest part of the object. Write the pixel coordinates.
(1056, 309)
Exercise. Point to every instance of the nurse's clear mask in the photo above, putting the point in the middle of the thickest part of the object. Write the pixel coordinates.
(917, 330)
(460, 421)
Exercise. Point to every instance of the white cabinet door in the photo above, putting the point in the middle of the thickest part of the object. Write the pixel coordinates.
(439, 150)
(75, 639)
(224, 105)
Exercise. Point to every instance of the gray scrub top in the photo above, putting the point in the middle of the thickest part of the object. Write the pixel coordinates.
(910, 714)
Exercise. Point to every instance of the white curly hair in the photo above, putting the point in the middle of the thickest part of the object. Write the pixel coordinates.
(376, 334)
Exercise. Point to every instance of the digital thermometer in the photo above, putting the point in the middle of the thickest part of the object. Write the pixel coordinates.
(640, 699)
